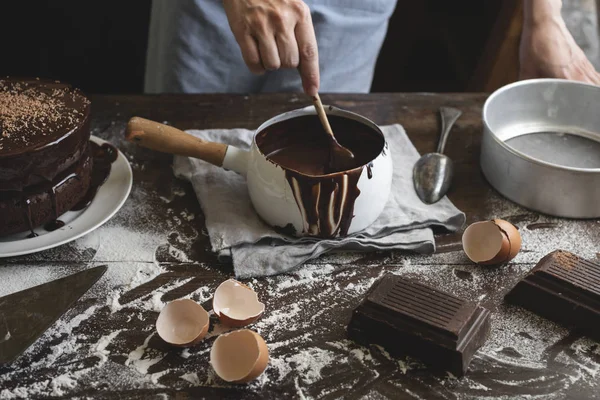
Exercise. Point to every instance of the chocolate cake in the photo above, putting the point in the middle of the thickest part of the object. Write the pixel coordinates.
(45, 159)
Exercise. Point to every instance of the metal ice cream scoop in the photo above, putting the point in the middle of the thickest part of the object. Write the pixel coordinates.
(432, 173)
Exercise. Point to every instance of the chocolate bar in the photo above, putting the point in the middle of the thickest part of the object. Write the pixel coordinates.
(406, 317)
(564, 288)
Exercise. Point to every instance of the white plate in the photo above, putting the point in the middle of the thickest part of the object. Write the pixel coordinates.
(109, 199)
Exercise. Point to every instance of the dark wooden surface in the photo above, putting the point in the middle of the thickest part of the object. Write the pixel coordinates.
(566, 366)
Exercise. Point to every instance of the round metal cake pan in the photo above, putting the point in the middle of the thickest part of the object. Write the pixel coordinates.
(541, 146)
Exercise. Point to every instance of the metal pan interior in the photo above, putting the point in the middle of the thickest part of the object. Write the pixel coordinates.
(549, 121)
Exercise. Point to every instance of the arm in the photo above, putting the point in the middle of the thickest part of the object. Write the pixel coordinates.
(275, 34)
(548, 49)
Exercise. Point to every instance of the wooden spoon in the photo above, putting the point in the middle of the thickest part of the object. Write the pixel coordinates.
(341, 158)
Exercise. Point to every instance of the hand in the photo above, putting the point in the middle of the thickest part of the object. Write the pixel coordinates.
(548, 50)
(275, 34)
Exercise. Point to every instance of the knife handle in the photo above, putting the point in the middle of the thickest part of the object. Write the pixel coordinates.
(167, 139)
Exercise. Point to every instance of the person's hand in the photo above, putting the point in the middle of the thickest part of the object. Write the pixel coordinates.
(275, 34)
(548, 50)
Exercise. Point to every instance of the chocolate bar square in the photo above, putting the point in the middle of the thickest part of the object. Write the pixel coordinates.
(409, 318)
(564, 288)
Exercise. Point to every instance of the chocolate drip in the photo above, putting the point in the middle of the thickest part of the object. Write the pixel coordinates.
(325, 195)
(54, 225)
(106, 153)
(52, 199)
(27, 214)
(326, 203)
(541, 225)
(103, 157)
(370, 170)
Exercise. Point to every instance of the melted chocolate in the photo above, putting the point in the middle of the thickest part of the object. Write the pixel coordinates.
(307, 158)
(541, 225)
(51, 189)
(325, 196)
(26, 206)
(54, 225)
(103, 157)
(302, 145)
(286, 230)
(370, 170)
(96, 162)
(55, 186)
(326, 203)
(45, 130)
(38, 113)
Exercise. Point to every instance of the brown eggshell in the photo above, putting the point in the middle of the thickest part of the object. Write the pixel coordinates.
(236, 323)
(236, 305)
(239, 356)
(513, 235)
(502, 255)
(182, 323)
(485, 243)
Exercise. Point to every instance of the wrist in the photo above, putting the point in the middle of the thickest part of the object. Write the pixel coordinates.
(541, 12)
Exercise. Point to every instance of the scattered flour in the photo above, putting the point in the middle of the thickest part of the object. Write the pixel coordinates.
(62, 383)
(299, 390)
(508, 326)
(6, 337)
(192, 378)
(179, 255)
(100, 348)
(19, 277)
(117, 243)
(305, 276)
(519, 340)
(309, 363)
(61, 328)
(122, 278)
(185, 353)
(478, 386)
(136, 357)
(188, 216)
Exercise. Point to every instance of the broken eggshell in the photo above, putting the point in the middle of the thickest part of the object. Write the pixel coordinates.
(239, 356)
(182, 323)
(491, 242)
(236, 304)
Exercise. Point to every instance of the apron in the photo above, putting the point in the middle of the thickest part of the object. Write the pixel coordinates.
(191, 48)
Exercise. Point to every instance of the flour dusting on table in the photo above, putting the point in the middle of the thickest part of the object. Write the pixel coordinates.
(107, 341)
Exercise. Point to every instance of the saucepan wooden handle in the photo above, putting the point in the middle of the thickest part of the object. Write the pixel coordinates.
(167, 139)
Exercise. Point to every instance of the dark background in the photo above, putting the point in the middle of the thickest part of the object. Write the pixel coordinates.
(432, 45)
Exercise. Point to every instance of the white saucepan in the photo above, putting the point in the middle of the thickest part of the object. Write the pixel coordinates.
(326, 206)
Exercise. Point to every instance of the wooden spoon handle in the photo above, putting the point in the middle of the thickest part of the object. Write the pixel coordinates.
(167, 139)
(323, 116)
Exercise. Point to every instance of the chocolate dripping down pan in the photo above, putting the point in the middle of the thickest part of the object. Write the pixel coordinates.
(541, 146)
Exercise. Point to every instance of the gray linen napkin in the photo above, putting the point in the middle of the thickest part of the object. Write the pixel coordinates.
(237, 233)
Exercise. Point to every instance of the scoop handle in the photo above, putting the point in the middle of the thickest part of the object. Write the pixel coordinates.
(167, 139)
(323, 116)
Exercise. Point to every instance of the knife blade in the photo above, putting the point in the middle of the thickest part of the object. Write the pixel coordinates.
(26, 315)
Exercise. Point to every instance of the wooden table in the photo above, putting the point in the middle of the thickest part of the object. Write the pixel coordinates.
(157, 250)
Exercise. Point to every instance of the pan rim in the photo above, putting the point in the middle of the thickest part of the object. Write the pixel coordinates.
(486, 111)
(330, 110)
